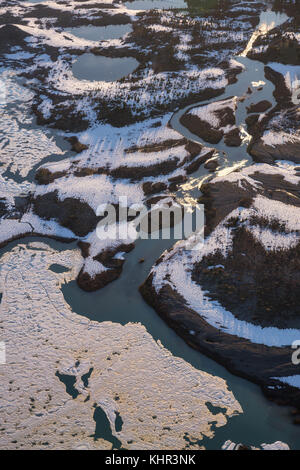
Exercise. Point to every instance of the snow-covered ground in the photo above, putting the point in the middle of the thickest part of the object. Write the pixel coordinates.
(209, 113)
(177, 265)
(131, 373)
(22, 145)
(291, 74)
(278, 445)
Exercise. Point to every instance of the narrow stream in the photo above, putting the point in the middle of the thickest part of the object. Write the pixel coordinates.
(232, 158)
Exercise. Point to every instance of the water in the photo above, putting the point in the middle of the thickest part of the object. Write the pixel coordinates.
(262, 421)
(100, 33)
(155, 4)
(103, 428)
(58, 268)
(106, 69)
(194, 6)
(232, 157)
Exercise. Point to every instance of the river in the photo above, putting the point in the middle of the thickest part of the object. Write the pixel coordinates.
(261, 421)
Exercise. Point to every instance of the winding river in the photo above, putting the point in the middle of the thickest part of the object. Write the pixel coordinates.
(262, 421)
(231, 158)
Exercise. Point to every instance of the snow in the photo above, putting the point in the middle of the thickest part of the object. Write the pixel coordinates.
(217, 266)
(93, 267)
(33, 145)
(141, 159)
(207, 113)
(107, 142)
(160, 28)
(291, 75)
(268, 21)
(10, 228)
(46, 227)
(19, 55)
(274, 138)
(285, 169)
(56, 39)
(43, 336)
(213, 312)
(287, 214)
(150, 91)
(31, 223)
(95, 190)
(293, 380)
(9, 189)
(120, 256)
(22, 147)
(62, 79)
(111, 152)
(176, 267)
(98, 245)
(278, 445)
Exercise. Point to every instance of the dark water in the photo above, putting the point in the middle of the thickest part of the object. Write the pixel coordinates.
(58, 268)
(99, 68)
(261, 421)
(100, 33)
(195, 7)
(69, 381)
(103, 429)
(155, 4)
